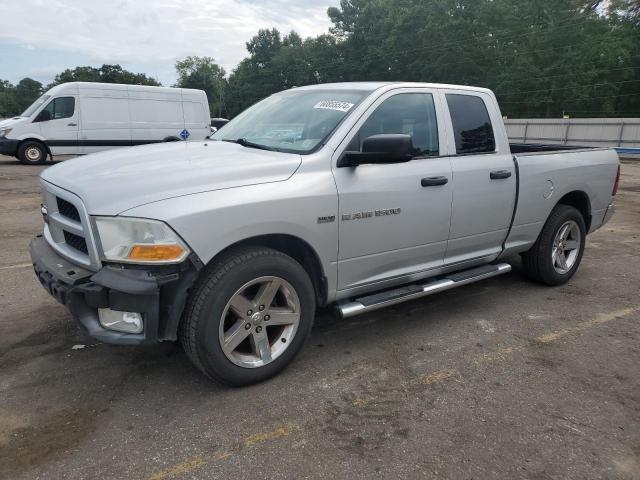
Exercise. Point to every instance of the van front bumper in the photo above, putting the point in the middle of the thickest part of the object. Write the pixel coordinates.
(157, 293)
(8, 146)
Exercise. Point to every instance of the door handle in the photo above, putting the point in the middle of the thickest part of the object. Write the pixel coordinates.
(72, 124)
(499, 174)
(434, 181)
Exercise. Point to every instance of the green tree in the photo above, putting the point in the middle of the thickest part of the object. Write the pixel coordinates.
(9, 105)
(205, 74)
(277, 63)
(255, 78)
(27, 91)
(542, 58)
(106, 73)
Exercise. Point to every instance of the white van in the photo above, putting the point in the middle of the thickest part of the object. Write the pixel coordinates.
(79, 117)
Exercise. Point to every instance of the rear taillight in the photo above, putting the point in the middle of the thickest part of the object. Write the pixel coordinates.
(617, 184)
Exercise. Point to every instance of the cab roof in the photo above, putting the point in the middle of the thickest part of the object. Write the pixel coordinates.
(371, 86)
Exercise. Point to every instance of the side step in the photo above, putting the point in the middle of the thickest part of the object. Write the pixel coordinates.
(410, 292)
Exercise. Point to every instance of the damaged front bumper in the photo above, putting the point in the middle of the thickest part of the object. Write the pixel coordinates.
(157, 293)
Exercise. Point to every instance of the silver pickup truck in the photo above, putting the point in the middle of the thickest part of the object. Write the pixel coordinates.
(356, 195)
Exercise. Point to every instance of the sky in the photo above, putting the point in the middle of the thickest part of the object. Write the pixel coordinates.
(40, 38)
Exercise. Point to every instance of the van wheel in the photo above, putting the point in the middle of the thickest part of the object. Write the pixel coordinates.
(248, 316)
(557, 253)
(32, 153)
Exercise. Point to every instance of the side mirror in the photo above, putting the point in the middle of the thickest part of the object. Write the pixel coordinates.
(43, 116)
(385, 148)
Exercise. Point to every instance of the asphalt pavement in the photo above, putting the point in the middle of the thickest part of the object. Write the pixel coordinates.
(501, 379)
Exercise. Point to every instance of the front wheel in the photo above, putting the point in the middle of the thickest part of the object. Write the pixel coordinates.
(32, 153)
(557, 253)
(248, 316)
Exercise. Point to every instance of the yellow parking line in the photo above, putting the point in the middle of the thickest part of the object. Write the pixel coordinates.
(18, 265)
(597, 320)
(179, 468)
(359, 402)
(440, 376)
(283, 431)
(198, 461)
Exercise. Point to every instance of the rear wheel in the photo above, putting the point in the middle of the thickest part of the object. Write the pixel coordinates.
(557, 253)
(248, 316)
(32, 153)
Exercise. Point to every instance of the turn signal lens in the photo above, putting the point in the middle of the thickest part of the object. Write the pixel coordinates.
(156, 253)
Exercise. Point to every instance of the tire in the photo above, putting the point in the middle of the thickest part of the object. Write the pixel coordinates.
(543, 263)
(224, 308)
(32, 153)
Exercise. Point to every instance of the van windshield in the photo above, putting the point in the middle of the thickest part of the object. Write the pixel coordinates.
(296, 121)
(35, 105)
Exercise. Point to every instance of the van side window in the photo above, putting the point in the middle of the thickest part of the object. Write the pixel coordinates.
(411, 114)
(61, 107)
(471, 124)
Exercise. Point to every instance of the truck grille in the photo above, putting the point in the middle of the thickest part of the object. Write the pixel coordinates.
(76, 241)
(67, 226)
(67, 209)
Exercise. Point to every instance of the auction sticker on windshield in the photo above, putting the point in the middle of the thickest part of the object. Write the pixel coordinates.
(334, 105)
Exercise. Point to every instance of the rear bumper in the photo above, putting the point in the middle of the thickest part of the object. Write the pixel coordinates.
(8, 146)
(159, 294)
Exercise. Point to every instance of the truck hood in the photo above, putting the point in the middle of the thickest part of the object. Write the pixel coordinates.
(117, 180)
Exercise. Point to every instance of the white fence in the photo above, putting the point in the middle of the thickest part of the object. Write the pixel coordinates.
(623, 133)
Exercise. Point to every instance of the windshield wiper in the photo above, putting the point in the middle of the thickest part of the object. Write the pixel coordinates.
(246, 143)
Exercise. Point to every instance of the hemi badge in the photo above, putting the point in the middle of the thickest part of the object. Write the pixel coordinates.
(327, 219)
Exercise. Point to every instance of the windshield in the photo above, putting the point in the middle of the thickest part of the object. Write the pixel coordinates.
(35, 105)
(295, 121)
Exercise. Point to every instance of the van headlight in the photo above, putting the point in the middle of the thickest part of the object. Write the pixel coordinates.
(4, 132)
(139, 240)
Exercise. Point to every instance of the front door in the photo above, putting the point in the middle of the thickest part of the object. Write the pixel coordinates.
(59, 125)
(485, 179)
(392, 223)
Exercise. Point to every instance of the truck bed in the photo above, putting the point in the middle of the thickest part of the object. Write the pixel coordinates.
(546, 173)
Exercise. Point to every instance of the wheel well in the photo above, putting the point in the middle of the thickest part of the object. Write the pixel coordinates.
(171, 139)
(297, 249)
(46, 147)
(580, 201)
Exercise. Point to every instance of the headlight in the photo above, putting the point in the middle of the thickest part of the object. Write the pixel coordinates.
(138, 240)
(4, 132)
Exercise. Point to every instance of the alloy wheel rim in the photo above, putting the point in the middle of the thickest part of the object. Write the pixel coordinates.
(259, 322)
(566, 247)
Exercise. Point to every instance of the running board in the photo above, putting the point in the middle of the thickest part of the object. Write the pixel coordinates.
(413, 291)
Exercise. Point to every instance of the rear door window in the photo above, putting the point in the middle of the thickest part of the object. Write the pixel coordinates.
(471, 124)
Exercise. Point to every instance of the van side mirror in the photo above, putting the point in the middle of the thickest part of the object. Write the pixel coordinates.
(384, 148)
(43, 116)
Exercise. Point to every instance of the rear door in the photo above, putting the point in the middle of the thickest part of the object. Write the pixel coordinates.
(105, 121)
(484, 186)
(391, 226)
(156, 115)
(58, 123)
(196, 115)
